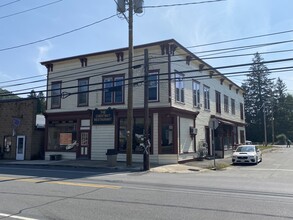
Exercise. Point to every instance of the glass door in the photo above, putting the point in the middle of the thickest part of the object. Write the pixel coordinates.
(20, 148)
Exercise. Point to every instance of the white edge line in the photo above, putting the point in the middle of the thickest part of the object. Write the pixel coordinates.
(16, 216)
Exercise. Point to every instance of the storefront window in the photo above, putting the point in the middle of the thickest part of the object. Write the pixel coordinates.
(138, 132)
(167, 145)
(62, 136)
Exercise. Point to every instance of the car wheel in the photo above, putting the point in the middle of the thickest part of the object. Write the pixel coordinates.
(256, 160)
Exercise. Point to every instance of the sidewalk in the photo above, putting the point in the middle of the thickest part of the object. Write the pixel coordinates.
(187, 167)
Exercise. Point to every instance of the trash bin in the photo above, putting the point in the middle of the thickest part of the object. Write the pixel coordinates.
(112, 157)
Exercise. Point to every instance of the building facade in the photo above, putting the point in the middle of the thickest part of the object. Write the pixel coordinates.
(87, 105)
(20, 137)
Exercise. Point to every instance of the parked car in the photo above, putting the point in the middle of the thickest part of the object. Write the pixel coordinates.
(247, 154)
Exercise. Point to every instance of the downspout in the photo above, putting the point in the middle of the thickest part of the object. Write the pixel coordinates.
(169, 74)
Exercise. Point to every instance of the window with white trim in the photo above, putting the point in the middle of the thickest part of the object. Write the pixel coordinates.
(196, 93)
(206, 93)
(179, 86)
(218, 102)
(226, 104)
(233, 106)
(56, 95)
(113, 91)
(83, 95)
(153, 80)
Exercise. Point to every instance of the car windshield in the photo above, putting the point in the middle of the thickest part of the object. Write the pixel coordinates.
(245, 149)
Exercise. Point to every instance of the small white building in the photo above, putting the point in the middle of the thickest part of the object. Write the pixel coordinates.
(87, 105)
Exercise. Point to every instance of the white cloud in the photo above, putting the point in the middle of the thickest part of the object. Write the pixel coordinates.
(43, 52)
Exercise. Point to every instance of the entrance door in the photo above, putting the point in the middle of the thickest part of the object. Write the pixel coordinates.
(84, 146)
(20, 148)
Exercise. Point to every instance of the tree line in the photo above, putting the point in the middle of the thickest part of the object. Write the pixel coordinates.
(268, 105)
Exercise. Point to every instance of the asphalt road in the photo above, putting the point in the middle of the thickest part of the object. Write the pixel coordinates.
(264, 191)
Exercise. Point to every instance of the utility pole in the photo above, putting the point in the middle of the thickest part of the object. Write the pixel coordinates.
(133, 6)
(265, 123)
(130, 87)
(146, 153)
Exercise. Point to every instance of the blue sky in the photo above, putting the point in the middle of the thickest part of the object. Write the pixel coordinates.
(190, 25)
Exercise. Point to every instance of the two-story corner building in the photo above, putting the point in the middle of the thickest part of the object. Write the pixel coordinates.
(87, 105)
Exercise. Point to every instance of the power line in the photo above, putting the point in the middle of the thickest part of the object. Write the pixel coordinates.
(31, 9)
(73, 72)
(246, 46)
(182, 4)
(201, 77)
(232, 66)
(58, 35)
(89, 69)
(222, 57)
(68, 70)
(240, 39)
(178, 60)
(9, 3)
(280, 69)
(248, 54)
(234, 49)
(111, 71)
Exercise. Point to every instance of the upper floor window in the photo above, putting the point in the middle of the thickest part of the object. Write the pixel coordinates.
(241, 111)
(113, 91)
(196, 97)
(83, 95)
(206, 93)
(233, 106)
(56, 95)
(153, 86)
(218, 102)
(83, 62)
(226, 104)
(179, 85)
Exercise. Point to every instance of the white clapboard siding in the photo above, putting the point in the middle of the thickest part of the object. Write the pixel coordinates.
(186, 141)
(155, 133)
(102, 139)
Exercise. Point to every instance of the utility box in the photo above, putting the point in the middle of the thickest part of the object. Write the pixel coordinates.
(112, 157)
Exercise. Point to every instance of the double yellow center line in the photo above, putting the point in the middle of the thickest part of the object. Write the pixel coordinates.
(67, 183)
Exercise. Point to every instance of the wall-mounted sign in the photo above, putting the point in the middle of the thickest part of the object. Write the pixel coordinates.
(103, 117)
